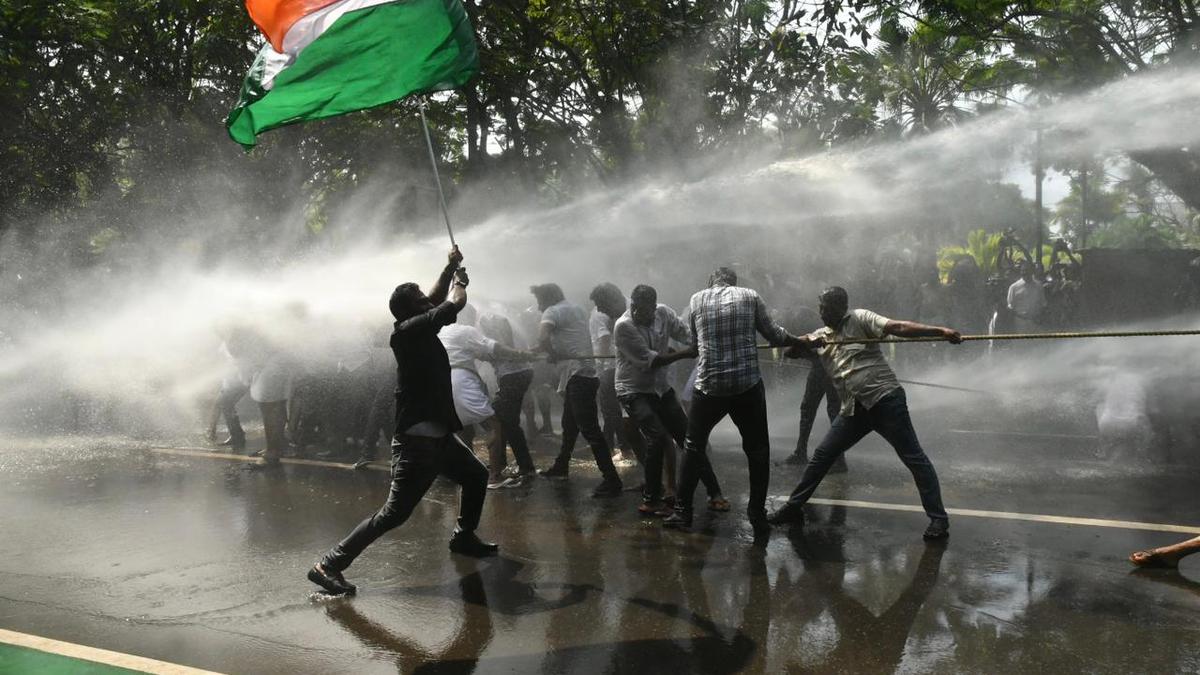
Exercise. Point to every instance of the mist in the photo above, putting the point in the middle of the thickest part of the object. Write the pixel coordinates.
(145, 339)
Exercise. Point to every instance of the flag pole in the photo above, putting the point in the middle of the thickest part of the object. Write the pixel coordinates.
(436, 177)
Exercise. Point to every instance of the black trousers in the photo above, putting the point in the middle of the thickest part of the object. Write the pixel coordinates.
(610, 409)
(509, 396)
(580, 416)
(227, 400)
(662, 421)
(749, 413)
(818, 385)
(890, 419)
(416, 462)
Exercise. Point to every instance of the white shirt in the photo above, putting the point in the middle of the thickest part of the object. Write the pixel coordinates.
(600, 326)
(637, 346)
(465, 344)
(569, 336)
(1026, 298)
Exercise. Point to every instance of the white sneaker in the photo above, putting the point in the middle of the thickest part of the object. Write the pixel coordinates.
(510, 482)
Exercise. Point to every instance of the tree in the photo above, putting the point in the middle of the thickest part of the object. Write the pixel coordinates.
(1067, 47)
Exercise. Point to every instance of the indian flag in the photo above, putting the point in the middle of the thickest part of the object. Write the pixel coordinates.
(329, 57)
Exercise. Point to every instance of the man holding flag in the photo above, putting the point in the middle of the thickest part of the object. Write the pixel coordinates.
(325, 58)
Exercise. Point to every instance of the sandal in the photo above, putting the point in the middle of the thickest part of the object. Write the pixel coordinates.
(718, 504)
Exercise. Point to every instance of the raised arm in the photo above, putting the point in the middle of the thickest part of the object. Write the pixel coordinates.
(437, 294)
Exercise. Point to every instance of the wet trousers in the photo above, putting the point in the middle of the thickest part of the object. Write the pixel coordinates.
(660, 418)
(889, 418)
(818, 385)
(580, 416)
(416, 462)
(748, 410)
(510, 394)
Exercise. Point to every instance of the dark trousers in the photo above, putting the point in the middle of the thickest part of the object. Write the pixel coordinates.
(227, 400)
(748, 410)
(416, 462)
(889, 418)
(610, 409)
(580, 416)
(662, 421)
(817, 386)
(510, 394)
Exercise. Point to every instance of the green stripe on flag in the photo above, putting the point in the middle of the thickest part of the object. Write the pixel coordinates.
(369, 57)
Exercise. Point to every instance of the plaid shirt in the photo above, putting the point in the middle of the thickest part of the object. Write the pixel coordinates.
(724, 320)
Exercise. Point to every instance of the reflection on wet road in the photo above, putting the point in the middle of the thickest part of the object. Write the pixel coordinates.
(197, 561)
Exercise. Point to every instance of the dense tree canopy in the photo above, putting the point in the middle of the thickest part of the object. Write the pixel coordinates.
(103, 101)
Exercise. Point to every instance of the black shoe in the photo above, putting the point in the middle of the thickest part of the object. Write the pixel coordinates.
(939, 528)
(237, 443)
(680, 520)
(333, 582)
(609, 487)
(558, 471)
(796, 459)
(760, 526)
(467, 543)
(839, 465)
(787, 516)
(267, 464)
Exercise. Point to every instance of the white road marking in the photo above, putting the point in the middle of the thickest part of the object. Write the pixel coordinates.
(104, 656)
(1008, 515)
(879, 506)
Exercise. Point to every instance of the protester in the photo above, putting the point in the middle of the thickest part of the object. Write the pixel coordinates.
(234, 386)
(545, 377)
(725, 318)
(464, 345)
(513, 379)
(564, 336)
(817, 386)
(609, 304)
(425, 445)
(642, 336)
(872, 400)
(1026, 300)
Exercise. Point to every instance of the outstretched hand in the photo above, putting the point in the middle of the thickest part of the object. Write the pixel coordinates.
(455, 257)
(952, 336)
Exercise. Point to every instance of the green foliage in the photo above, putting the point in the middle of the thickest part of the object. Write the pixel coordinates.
(982, 246)
(115, 107)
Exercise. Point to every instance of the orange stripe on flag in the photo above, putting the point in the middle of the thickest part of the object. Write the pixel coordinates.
(275, 17)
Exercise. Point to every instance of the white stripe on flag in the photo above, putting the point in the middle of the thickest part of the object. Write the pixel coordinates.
(304, 32)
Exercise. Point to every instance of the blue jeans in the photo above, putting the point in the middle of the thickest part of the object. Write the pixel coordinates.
(889, 418)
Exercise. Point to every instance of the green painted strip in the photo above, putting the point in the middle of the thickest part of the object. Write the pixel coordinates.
(22, 660)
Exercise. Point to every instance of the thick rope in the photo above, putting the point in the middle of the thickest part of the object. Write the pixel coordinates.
(1014, 336)
(973, 338)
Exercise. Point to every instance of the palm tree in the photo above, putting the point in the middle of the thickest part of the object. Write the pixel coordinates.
(926, 79)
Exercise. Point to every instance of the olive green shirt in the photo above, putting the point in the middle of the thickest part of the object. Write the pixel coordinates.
(859, 372)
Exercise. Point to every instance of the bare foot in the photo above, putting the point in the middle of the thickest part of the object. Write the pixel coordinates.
(1155, 558)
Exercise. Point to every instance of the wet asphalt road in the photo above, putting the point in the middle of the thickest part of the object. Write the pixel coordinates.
(197, 561)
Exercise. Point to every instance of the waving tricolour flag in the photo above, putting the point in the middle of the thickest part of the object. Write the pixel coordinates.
(329, 57)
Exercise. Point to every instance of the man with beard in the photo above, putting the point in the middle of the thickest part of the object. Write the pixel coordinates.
(872, 400)
(425, 445)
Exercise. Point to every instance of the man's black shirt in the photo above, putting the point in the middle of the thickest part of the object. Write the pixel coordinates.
(423, 391)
